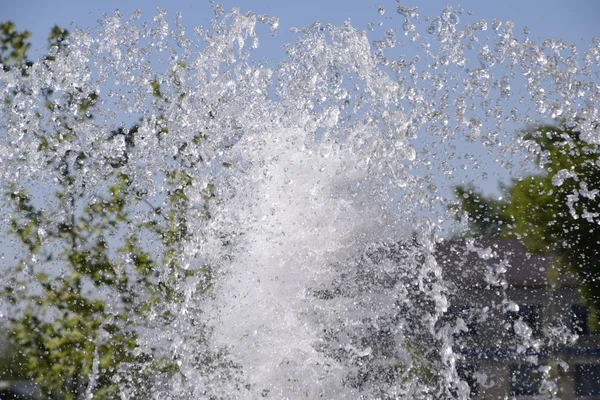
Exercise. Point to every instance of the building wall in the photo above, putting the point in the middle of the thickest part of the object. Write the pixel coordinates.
(495, 347)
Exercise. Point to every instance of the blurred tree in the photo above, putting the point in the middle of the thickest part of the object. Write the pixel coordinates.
(487, 216)
(556, 211)
(13, 46)
(84, 283)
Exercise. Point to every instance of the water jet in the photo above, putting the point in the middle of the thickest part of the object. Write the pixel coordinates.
(274, 230)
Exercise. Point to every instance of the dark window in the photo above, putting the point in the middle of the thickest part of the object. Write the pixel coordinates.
(467, 315)
(525, 380)
(579, 320)
(466, 372)
(529, 314)
(587, 380)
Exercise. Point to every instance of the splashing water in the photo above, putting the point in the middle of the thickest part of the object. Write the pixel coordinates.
(311, 198)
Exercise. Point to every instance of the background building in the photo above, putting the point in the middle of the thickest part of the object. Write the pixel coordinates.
(519, 327)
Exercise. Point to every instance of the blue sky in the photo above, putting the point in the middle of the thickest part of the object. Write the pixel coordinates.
(573, 20)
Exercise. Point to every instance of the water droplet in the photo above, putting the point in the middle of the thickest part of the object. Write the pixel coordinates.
(505, 87)
(135, 15)
(218, 10)
(453, 18)
(496, 24)
(408, 26)
(450, 16)
(435, 27)
(559, 178)
(410, 12)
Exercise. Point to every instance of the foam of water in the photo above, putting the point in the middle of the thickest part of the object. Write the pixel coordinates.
(302, 208)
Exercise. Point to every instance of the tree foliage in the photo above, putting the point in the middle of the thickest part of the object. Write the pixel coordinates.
(85, 282)
(13, 46)
(556, 211)
(487, 216)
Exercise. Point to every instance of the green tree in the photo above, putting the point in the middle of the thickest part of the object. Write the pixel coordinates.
(13, 46)
(487, 216)
(85, 284)
(556, 211)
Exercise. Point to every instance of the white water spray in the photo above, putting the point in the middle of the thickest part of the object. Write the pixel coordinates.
(312, 202)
